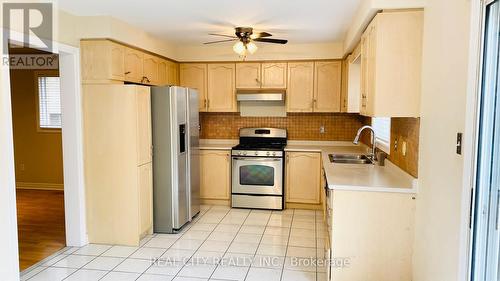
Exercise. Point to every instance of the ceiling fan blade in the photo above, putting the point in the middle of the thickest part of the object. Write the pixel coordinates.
(260, 35)
(223, 35)
(221, 41)
(271, 40)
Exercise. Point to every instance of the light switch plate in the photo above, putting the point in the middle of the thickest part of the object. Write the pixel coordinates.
(403, 148)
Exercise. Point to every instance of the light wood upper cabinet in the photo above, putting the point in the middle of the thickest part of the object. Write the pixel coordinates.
(221, 88)
(150, 70)
(144, 132)
(215, 174)
(391, 50)
(145, 197)
(248, 75)
(303, 183)
(172, 73)
(134, 71)
(102, 60)
(327, 86)
(162, 72)
(274, 75)
(194, 75)
(300, 87)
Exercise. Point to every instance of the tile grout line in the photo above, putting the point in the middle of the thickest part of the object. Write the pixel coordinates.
(239, 229)
(202, 215)
(258, 246)
(287, 244)
(206, 239)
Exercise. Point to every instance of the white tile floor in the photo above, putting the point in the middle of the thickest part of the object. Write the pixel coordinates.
(221, 244)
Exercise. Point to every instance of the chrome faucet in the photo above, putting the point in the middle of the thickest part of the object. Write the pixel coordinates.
(373, 156)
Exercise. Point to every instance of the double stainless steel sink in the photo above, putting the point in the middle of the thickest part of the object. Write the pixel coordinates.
(350, 159)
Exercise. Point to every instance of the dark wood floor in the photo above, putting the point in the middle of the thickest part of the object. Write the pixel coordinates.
(40, 219)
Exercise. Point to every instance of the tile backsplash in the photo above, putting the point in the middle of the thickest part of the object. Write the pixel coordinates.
(300, 126)
(402, 130)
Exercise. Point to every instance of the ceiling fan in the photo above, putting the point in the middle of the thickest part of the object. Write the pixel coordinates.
(246, 38)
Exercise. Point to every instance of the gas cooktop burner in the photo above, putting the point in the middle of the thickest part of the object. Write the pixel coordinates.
(260, 146)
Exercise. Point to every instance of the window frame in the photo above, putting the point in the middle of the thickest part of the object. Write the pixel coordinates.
(382, 145)
(36, 75)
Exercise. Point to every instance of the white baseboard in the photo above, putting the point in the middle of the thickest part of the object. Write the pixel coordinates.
(40, 185)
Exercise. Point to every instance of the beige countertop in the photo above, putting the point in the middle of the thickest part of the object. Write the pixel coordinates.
(351, 177)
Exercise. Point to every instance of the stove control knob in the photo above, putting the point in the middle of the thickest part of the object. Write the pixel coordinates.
(244, 153)
(256, 153)
(268, 153)
(239, 152)
(274, 153)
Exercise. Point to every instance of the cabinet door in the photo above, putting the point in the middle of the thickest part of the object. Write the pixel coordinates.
(117, 61)
(327, 86)
(144, 136)
(248, 76)
(172, 73)
(150, 66)
(274, 75)
(133, 65)
(102, 60)
(300, 87)
(364, 73)
(303, 177)
(215, 174)
(344, 87)
(194, 75)
(162, 72)
(370, 79)
(221, 90)
(145, 197)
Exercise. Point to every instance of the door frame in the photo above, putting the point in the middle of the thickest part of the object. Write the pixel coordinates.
(72, 145)
(470, 140)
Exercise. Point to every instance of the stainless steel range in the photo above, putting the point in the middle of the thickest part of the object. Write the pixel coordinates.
(258, 170)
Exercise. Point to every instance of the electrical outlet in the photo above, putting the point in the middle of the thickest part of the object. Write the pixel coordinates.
(322, 129)
(403, 148)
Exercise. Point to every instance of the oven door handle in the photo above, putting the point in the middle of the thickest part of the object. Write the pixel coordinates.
(257, 159)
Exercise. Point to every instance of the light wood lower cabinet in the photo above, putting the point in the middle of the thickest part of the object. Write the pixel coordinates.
(374, 230)
(117, 143)
(215, 174)
(303, 182)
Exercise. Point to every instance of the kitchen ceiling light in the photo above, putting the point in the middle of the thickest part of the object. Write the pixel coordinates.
(251, 47)
(240, 48)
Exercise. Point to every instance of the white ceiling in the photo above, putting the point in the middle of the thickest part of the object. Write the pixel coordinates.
(189, 21)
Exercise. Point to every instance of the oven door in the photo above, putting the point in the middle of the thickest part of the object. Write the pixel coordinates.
(254, 175)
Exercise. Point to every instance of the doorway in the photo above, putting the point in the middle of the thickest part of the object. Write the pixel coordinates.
(38, 158)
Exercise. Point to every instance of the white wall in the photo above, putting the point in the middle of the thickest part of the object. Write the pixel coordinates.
(224, 52)
(9, 262)
(444, 86)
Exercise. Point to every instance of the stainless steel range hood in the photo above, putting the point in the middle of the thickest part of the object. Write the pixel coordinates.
(260, 95)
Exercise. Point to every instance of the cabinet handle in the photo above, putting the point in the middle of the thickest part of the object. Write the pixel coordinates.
(204, 103)
(208, 104)
(128, 72)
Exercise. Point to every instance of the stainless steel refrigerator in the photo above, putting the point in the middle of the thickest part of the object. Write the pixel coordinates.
(176, 190)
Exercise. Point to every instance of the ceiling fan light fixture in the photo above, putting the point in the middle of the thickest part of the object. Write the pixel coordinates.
(251, 47)
(240, 48)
